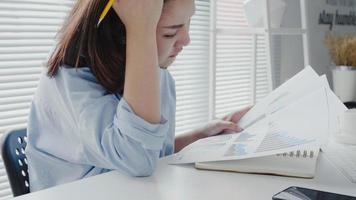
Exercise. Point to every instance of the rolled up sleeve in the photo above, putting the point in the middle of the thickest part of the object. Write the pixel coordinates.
(119, 139)
(151, 136)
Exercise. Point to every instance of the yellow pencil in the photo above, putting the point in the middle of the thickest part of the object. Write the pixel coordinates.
(105, 11)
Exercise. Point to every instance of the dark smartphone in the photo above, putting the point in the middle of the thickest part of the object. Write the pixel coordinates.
(299, 193)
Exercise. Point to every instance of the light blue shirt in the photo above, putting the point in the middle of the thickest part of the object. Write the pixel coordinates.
(76, 130)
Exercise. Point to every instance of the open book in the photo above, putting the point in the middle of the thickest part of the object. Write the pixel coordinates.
(300, 163)
(297, 118)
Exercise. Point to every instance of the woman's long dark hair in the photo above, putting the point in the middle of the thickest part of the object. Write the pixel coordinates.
(82, 44)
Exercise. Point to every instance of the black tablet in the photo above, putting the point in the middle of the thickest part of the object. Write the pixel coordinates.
(299, 193)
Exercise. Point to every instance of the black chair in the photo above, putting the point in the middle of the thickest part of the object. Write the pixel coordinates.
(13, 155)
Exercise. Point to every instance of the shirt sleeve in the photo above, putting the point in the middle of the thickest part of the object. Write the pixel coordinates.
(151, 136)
(110, 135)
(114, 137)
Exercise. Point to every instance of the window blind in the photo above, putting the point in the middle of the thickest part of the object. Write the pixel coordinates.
(241, 60)
(27, 34)
(191, 72)
(27, 31)
(276, 51)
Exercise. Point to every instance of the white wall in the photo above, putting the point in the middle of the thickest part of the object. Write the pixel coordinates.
(292, 46)
(291, 56)
(320, 58)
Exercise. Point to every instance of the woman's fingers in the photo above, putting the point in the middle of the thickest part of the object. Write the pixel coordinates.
(228, 125)
(139, 13)
(238, 115)
(217, 127)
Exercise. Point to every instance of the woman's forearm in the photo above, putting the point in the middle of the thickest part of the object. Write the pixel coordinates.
(142, 86)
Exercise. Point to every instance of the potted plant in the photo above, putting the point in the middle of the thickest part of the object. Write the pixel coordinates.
(342, 50)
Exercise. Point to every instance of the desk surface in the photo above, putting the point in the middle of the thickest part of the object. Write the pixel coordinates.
(185, 182)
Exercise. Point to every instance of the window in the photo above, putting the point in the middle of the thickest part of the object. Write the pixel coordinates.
(214, 74)
(241, 64)
(249, 60)
(191, 72)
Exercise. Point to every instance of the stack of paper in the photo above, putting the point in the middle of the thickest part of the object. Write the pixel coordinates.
(297, 116)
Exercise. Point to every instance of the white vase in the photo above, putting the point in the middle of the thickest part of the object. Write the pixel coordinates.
(344, 81)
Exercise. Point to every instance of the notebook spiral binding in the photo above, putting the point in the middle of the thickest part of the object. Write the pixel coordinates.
(298, 154)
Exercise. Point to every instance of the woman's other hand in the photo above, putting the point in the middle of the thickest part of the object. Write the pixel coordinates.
(237, 115)
(225, 125)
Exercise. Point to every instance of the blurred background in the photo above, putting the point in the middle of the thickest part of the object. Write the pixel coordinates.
(240, 51)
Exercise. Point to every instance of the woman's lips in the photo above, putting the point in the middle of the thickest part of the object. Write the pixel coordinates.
(176, 53)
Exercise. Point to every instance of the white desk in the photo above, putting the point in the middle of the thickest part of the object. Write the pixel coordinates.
(185, 182)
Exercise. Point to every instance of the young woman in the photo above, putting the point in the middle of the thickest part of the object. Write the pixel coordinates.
(106, 101)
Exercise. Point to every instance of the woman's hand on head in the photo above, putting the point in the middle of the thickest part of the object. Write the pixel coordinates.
(225, 125)
(139, 14)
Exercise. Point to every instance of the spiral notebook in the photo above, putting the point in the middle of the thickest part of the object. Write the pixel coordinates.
(300, 163)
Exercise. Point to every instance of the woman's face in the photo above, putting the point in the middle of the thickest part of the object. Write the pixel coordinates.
(173, 30)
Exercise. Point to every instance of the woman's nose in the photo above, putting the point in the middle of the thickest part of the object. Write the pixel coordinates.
(185, 37)
(186, 40)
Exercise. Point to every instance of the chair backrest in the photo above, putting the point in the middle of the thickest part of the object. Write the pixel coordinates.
(13, 155)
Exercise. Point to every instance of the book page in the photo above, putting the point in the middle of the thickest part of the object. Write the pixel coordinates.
(298, 86)
(300, 123)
